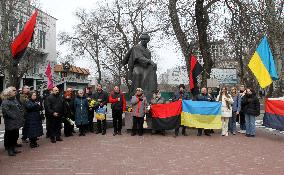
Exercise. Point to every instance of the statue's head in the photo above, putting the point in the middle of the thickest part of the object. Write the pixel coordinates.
(145, 38)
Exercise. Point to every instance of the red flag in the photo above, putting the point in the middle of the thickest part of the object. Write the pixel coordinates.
(22, 41)
(195, 70)
(48, 73)
(48, 70)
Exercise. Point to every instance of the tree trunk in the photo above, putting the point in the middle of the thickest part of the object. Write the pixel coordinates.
(274, 30)
(180, 35)
(202, 22)
(98, 61)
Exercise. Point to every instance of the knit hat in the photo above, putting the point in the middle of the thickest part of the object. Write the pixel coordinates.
(181, 85)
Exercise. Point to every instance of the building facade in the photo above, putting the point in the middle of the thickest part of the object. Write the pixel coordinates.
(69, 76)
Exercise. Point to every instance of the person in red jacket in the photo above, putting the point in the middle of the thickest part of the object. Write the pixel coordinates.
(118, 106)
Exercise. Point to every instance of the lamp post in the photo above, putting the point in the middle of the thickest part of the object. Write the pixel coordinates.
(66, 68)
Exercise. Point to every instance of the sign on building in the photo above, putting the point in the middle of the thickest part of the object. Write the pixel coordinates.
(224, 76)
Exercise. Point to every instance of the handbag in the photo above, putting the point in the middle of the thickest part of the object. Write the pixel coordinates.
(100, 113)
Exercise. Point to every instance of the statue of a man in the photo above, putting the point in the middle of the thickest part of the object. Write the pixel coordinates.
(141, 69)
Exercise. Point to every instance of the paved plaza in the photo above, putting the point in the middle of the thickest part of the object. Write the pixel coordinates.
(157, 154)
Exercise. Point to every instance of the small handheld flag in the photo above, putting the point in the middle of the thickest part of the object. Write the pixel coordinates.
(262, 64)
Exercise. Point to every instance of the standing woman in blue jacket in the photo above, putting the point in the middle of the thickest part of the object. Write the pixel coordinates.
(236, 108)
(33, 119)
(81, 112)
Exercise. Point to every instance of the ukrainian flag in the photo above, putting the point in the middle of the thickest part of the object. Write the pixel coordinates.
(201, 114)
(262, 64)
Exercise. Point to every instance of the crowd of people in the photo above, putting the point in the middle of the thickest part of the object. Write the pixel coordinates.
(28, 109)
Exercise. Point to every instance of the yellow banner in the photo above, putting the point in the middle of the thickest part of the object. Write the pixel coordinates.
(201, 121)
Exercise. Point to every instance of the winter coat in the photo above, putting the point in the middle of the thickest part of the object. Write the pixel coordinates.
(81, 111)
(182, 96)
(236, 106)
(54, 103)
(115, 104)
(204, 97)
(23, 100)
(13, 114)
(251, 105)
(33, 124)
(138, 106)
(101, 95)
(225, 111)
(68, 105)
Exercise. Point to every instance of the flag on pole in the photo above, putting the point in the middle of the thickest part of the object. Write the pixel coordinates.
(195, 70)
(22, 41)
(262, 64)
(48, 73)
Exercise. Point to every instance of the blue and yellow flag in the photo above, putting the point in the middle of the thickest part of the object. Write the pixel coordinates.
(262, 64)
(201, 114)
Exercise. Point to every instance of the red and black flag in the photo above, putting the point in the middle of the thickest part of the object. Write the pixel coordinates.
(274, 114)
(21, 42)
(195, 70)
(166, 116)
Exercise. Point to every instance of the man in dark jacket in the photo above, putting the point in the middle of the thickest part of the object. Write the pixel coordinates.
(102, 98)
(47, 116)
(54, 108)
(118, 106)
(181, 94)
(203, 96)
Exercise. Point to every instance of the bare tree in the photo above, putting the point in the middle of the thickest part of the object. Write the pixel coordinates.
(12, 14)
(112, 29)
(249, 22)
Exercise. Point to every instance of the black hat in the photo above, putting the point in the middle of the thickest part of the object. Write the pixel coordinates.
(181, 85)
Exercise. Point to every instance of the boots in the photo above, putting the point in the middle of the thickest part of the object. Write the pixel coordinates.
(52, 140)
(11, 152)
(33, 143)
(59, 139)
(16, 151)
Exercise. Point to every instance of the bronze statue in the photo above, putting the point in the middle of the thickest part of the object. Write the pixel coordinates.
(141, 69)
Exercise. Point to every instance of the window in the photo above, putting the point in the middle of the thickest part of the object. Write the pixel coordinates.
(42, 38)
(63, 74)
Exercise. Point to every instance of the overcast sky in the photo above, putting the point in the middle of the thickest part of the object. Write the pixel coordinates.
(63, 10)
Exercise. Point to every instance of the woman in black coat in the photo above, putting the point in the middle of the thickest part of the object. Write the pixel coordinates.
(251, 108)
(33, 119)
(68, 105)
